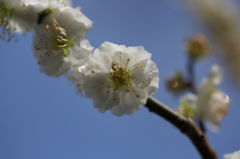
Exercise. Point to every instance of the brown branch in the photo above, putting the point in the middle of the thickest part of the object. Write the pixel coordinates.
(185, 125)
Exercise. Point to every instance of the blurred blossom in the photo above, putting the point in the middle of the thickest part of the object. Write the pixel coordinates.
(234, 155)
(120, 78)
(197, 46)
(176, 84)
(221, 19)
(42, 6)
(188, 105)
(212, 104)
(15, 16)
(209, 104)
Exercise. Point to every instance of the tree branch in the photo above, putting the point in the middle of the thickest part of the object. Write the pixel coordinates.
(185, 125)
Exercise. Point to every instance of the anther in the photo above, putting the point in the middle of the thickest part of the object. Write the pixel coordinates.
(114, 99)
(102, 83)
(143, 81)
(92, 71)
(141, 65)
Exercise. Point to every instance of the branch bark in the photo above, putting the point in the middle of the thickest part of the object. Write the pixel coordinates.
(185, 125)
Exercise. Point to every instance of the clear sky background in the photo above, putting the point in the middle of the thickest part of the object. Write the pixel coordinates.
(43, 118)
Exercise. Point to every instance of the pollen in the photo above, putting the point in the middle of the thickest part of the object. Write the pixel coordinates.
(143, 81)
(138, 63)
(141, 65)
(55, 39)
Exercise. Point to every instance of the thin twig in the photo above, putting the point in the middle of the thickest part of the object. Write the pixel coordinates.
(191, 85)
(190, 68)
(185, 125)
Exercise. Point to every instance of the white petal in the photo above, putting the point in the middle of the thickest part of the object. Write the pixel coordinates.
(79, 55)
(52, 66)
(216, 74)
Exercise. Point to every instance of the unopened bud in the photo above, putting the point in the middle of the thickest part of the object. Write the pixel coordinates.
(198, 46)
(176, 84)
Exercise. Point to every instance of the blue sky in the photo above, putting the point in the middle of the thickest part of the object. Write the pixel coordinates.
(43, 117)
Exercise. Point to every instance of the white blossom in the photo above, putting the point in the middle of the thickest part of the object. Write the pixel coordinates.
(234, 155)
(212, 104)
(188, 104)
(120, 78)
(59, 42)
(16, 16)
(47, 6)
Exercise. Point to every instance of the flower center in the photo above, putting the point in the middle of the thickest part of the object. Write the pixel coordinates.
(120, 75)
(55, 40)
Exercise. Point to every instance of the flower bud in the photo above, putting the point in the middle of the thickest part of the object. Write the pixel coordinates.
(198, 46)
(176, 84)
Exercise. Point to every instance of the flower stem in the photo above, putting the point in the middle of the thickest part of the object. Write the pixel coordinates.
(191, 84)
(185, 125)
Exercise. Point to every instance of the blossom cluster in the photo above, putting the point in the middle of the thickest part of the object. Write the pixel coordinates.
(116, 77)
(208, 104)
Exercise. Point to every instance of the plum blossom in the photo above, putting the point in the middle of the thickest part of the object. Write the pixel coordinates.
(209, 104)
(188, 104)
(212, 103)
(120, 78)
(234, 155)
(16, 17)
(59, 43)
(45, 7)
